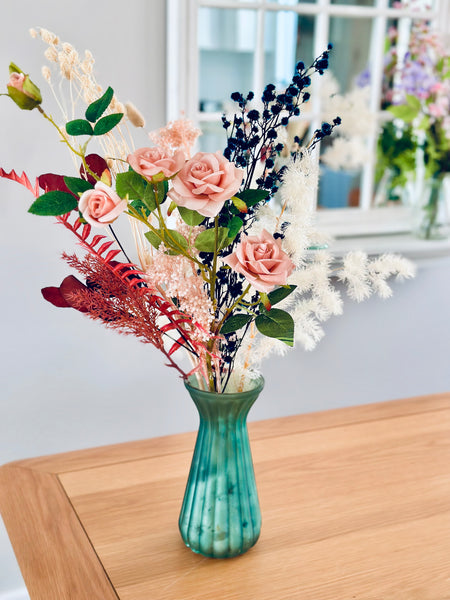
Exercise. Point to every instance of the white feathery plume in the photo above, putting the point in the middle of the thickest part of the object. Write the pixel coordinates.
(298, 196)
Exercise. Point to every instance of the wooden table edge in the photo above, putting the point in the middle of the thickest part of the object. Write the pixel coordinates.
(50, 536)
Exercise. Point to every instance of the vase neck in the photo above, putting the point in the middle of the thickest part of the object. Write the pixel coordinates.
(212, 406)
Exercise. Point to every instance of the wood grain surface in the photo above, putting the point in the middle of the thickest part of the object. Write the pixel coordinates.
(355, 505)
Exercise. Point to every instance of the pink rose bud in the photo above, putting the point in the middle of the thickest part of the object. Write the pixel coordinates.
(262, 261)
(16, 80)
(155, 163)
(22, 90)
(205, 183)
(101, 206)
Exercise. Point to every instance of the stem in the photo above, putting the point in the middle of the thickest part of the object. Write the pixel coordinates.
(230, 310)
(118, 242)
(81, 153)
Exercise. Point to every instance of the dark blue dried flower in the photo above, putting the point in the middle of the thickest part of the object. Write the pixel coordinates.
(253, 115)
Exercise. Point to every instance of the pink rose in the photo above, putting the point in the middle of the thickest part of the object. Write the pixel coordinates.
(16, 81)
(205, 182)
(149, 162)
(262, 261)
(101, 206)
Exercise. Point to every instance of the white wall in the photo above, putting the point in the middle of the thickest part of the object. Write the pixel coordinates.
(66, 382)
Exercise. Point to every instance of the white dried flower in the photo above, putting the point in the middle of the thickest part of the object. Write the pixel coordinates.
(354, 274)
(134, 116)
(48, 37)
(33, 32)
(46, 73)
(51, 54)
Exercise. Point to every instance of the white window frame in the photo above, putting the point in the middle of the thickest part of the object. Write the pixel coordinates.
(182, 84)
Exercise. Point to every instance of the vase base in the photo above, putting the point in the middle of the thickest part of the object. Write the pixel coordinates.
(220, 556)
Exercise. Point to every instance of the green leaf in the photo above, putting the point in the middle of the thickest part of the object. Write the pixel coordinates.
(53, 203)
(95, 110)
(172, 239)
(205, 241)
(404, 112)
(252, 197)
(191, 217)
(413, 102)
(234, 226)
(239, 204)
(77, 186)
(79, 127)
(107, 123)
(131, 184)
(235, 322)
(280, 293)
(276, 324)
(140, 207)
(162, 187)
(149, 198)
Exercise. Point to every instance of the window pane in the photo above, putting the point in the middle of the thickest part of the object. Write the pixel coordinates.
(227, 40)
(351, 40)
(213, 137)
(339, 188)
(288, 38)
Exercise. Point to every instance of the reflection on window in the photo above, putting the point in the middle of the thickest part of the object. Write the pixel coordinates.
(288, 38)
(227, 41)
(351, 46)
(244, 49)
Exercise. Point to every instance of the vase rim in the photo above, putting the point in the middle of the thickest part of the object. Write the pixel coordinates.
(257, 385)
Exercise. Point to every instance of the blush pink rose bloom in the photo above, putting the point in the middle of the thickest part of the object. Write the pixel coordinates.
(149, 162)
(205, 183)
(16, 81)
(262, 261)
(101, 205)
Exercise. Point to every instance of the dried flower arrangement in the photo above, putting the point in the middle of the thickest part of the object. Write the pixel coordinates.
(214, 254)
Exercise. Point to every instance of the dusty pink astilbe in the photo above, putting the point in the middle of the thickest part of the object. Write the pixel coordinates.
(176, 276)
(176, 135)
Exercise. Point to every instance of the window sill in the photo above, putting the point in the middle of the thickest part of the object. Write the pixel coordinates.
(377, 231)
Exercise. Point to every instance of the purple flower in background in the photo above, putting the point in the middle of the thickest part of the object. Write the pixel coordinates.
(417, 79)
(363, 79)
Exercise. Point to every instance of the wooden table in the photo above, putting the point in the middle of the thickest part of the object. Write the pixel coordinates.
(355, 504)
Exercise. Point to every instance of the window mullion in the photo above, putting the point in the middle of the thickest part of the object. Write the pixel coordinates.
(258, 64)
(376, 78)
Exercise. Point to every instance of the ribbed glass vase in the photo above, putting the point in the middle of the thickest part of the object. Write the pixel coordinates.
(220, 516)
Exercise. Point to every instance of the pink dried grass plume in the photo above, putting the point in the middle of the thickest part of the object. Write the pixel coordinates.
(176, 135)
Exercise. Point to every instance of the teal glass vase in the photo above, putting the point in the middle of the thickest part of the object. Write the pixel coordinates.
(220, 516)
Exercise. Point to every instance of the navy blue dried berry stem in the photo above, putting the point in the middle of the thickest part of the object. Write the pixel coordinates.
(250, 139)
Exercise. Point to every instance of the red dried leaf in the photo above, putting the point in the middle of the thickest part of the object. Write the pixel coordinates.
(22, 179)
(54, 296)
(104, 247)
(97, 165)
(96, 239)
(50, 182)
(111, 254)
(86, 232)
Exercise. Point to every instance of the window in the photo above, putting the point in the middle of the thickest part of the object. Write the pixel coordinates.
(229, 45)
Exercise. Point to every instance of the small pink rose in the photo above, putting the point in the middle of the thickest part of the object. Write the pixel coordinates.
(149, 162)
(262, 261)
(101, 206)
(205, 183)
(16, 81)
